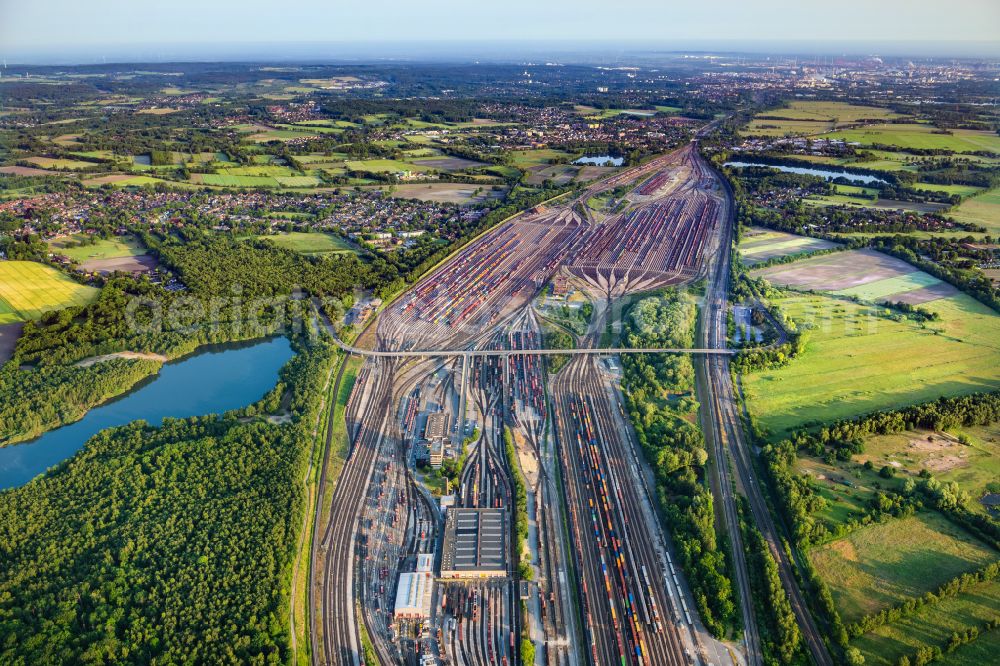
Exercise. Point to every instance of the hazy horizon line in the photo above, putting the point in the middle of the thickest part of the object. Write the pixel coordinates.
(417, 50)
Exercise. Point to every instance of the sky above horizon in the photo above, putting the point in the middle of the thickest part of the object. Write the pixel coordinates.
(64, 26)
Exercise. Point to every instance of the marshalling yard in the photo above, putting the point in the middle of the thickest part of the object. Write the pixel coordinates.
(425, 571)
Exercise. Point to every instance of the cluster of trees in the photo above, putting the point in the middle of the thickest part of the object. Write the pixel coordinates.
(931, 653)
(676, 448)
(166, 545)
(967, 636)
(914, 312)
(782, 637)
(799, 501)
(527, 651)
(451, 468)
(556, 338)
(520, 507)
(754, 358)
(660, 321)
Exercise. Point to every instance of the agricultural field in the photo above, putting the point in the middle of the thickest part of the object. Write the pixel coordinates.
(838, 113)
(297, 181)
(859, 358)
(311, 242)
(104, 248)
(29, 289)
(779, 128)
(524, 159)
(560, 174)
(983, 209)
(233, 181)
(884, 564)
(27, 171)
(865, 274)
(760, 245)
(804, 118)
(59, 163)
(453, 193)
(933, 625)
(879, 160)
(865, 202)
(270, 134)
(380, 166)
(447, 163)
(920, 136)
(963, 191)
(590, 172)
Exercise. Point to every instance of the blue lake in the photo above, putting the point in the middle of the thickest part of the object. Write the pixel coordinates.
(216, 380)
(829, 174)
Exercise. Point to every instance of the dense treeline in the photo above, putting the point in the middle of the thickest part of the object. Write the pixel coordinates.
(162, 545)
(520, 507)
(676, 448)
(782, 639)
(216, 264)
(49, 396)
(554, 337)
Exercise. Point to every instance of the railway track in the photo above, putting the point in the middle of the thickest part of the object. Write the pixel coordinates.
(476, 306)
(724, 427)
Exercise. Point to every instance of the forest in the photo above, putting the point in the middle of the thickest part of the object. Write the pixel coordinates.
(162, 545)
(659, 397)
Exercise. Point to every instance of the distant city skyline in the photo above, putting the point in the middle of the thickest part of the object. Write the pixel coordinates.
(67, 31)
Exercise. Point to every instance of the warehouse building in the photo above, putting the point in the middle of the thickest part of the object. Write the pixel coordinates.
(437, 423)
(413, 596)
(475, 544)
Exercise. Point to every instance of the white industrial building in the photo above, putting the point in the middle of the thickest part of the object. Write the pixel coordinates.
(413, 595)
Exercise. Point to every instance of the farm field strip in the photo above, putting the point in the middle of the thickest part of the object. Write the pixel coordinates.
(887, 288)
(838, 271)
(30, 289)
(983, 209)
(110, 248)
(310, 242)
(756, 252)
(920, 137)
